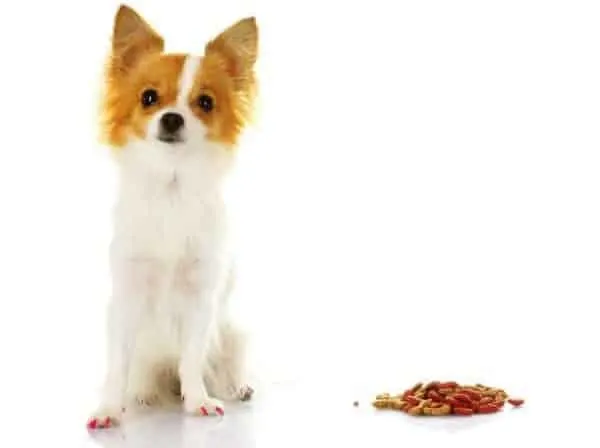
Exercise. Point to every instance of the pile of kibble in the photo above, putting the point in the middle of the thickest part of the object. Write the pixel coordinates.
(446, 398)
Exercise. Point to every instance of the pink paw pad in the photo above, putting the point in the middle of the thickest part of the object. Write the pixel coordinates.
(96, 423)
(216, 411)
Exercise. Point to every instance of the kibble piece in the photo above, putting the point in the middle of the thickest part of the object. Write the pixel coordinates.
(463, 411)
(381, 403)
(397, 404)
(416, 387)
(516, 402)
(415, 410)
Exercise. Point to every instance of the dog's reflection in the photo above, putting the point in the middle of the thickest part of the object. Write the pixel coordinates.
(176, 430)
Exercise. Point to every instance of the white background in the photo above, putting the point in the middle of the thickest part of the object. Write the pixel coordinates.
(419, 200)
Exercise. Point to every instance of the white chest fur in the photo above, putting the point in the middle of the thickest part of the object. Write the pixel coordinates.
(170, 210)
(168, 220)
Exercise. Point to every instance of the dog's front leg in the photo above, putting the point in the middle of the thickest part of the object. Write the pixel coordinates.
(204, 281)
(133, 280)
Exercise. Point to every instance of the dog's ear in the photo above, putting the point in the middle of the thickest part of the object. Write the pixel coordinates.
(132, 38)
(238, 44)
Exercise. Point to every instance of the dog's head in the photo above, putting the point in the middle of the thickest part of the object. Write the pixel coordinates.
(177, 102)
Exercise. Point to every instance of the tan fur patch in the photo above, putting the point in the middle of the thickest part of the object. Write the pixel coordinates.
(124, 113)
(137, 63)
(231, 106)
(227, 75)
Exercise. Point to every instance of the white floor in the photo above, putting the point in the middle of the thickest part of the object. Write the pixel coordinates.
(296, 414)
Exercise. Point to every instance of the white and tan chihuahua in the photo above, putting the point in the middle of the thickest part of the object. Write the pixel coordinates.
(174, 122)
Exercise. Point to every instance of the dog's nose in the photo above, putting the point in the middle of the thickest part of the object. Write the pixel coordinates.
(171, 122)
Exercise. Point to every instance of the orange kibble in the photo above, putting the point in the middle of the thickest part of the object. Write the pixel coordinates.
(381, 404)
(416, 387)
(397, 404)
(415, 410)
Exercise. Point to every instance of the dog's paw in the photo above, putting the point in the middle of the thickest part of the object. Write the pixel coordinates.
(245, 393)
(205, 407)
(104, 419)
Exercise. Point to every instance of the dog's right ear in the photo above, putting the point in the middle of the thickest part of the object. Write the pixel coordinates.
(132, 38)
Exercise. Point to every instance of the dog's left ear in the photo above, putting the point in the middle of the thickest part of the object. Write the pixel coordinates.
(132, 38)
(239, 45)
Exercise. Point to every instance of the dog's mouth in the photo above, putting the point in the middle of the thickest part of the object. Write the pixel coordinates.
(170, 138)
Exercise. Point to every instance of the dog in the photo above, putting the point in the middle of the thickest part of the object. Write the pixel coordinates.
(174, 124)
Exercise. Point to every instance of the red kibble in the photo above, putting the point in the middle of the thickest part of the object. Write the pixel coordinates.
(92, 424)
(203, 411)
(473, 394)
(463, 411)
(463, 398)
(516, 401)
(219, 411)
(434, 395)
(412, 400)
(488, 409)
(453, 402)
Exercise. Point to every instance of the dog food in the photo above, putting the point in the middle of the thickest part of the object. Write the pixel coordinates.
(446, 398)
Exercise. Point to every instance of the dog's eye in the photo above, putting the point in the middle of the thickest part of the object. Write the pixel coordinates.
(205, 102)
(149, 97)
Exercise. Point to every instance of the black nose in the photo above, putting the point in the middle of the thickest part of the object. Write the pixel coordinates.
(171, 122)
